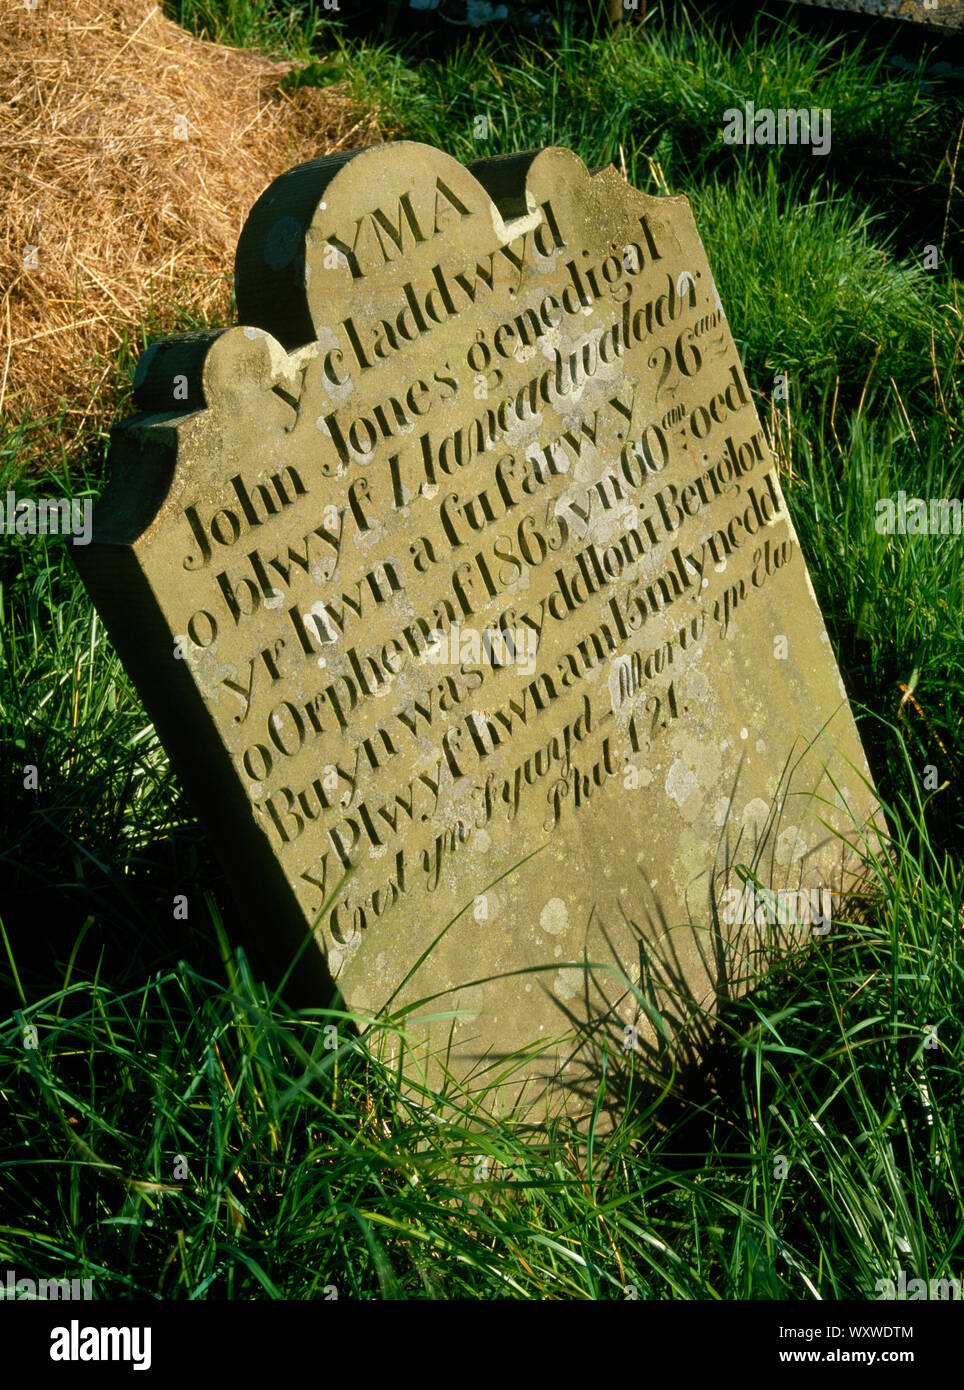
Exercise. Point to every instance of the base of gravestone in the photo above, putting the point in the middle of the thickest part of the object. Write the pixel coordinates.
(646, 1026)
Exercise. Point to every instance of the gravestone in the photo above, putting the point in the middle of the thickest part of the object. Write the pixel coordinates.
(462, 568)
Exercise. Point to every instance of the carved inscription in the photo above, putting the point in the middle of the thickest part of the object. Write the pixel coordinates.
(493, 564)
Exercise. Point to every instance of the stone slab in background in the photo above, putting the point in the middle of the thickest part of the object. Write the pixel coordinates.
(463, 567)
(938, 14)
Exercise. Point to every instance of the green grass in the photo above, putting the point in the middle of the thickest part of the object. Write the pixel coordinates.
(176, 1131)
(188, 1137)
(659, 99)
(286, 31)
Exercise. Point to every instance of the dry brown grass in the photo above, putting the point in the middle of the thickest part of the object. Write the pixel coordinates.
(130, 155)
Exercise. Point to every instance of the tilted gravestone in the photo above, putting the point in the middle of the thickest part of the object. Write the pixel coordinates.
(932, 14)
(463, 565)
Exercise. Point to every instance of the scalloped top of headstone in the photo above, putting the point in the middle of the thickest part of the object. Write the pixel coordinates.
(313, 238)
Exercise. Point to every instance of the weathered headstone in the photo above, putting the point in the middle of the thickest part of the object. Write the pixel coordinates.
(464, 565)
